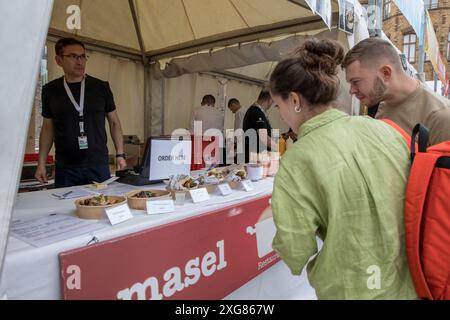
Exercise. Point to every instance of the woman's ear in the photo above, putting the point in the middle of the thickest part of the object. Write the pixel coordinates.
(296, 99)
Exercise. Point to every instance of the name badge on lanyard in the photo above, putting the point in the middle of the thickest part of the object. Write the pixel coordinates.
(82, 138)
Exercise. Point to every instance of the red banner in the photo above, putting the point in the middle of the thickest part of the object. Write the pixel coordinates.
(203, 257)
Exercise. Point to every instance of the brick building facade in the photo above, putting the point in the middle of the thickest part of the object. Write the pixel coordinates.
(400, 32)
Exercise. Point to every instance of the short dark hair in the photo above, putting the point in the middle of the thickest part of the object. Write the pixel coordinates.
(312, 72)
(208, 99)
(233, 101)
(59, 46)
(372, 50)
(264, 95)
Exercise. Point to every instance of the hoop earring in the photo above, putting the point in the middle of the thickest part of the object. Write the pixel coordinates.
(298, 109)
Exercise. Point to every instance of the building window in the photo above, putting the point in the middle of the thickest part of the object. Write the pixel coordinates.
(448, 46)
(386, 9)
(409, 47)
(431, 4)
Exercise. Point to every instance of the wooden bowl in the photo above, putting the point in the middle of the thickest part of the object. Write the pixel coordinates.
(141, 203)
(96, 212)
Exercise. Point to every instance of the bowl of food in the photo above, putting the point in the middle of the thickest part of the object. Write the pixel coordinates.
(94, 207)
(138, 199)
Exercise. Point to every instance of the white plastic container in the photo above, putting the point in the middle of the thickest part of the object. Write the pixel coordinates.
(255, 172)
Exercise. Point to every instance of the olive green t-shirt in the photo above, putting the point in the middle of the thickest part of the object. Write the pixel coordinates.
(424, 107)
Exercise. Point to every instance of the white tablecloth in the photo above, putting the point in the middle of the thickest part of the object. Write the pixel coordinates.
(33, 273)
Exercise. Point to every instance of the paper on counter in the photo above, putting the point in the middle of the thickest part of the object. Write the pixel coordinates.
(78, 193)
(119, 189)
(40, 232)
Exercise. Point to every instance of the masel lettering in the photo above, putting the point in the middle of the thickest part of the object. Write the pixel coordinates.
(175, 279)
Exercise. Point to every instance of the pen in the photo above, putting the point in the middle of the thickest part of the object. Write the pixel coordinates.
(62, 196)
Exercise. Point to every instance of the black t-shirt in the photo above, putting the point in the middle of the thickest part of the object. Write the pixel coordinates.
(57, 106)
(372, 111)
(255, 119)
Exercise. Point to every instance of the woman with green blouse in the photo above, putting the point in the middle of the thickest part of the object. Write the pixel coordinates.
(343, 181)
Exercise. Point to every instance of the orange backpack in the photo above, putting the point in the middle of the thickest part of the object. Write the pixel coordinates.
(427, 215)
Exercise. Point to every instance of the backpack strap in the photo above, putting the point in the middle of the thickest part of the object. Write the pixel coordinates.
(416, 192)
(406, 136)
(422, 135)
(418, 129)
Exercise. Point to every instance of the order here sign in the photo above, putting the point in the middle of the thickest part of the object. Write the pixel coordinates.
(203, 257)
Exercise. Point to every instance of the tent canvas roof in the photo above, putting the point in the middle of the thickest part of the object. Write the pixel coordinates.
(167, 26)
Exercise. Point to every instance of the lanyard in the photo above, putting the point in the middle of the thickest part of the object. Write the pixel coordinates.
(78, 107)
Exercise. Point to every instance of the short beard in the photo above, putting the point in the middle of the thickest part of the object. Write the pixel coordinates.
(377, 95)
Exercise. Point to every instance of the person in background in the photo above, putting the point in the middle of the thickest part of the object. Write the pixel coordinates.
(235, 106)
(74, 108)
(343, 181)
(256, 118)
(376, 76)
(210, 117)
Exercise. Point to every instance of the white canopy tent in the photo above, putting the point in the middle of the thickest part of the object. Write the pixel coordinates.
(129, 42)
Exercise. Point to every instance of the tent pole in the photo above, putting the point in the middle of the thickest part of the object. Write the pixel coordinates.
(138, 30)
(147, 84)
(147, 103)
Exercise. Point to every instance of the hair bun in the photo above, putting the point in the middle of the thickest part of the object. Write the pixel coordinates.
(324, 55)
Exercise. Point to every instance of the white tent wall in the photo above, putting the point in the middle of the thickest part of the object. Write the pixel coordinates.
(126, 79)
(183, 94)
(19, 65)
(184, 89)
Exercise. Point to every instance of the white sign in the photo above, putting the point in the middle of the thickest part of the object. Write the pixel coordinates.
(169, 157)
(160, 206)
(224, 189)
(119, 214)
(346, 16)
(199, 195)
(247, 185)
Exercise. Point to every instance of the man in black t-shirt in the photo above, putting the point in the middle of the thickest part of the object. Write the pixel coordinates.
(256, 118)
(74, 108)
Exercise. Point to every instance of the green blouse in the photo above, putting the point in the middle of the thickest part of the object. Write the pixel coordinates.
(344, 181)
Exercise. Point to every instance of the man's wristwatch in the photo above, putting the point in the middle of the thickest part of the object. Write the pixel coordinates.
(123, 155)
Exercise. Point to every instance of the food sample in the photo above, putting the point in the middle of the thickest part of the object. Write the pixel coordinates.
(215, 173)
(145, 194)
(183, 182)
(237, 174)
(100, 200)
